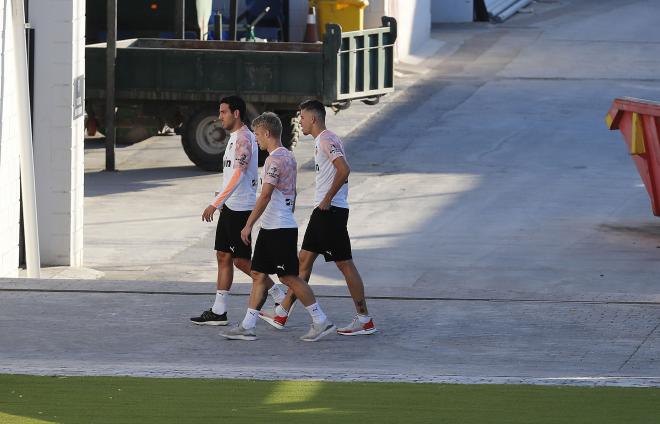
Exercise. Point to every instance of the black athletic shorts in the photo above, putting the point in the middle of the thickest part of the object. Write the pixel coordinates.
(276, 252)
(228, 233)
(327, 234)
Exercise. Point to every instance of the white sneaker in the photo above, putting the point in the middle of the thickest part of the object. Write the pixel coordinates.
(318, 331)
(269, 315)
(239, 333)
(356, 328)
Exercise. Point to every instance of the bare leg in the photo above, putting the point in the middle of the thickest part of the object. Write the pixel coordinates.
(306, 260)
(299, 288)
(259, 290)
(245, 265)
(225, 270)
(355, 285)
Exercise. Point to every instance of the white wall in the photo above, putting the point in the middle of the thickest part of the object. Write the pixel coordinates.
(9, 148)
(413, 21)
(58, 138)
(452, 11)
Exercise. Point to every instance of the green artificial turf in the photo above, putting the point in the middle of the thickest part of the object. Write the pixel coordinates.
(68, 400)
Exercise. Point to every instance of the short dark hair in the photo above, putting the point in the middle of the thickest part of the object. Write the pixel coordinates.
(235, 103)
(315, 107)
(270, 122)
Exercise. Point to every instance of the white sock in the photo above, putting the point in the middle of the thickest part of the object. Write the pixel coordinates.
(280, 311)
(317, 313)
(363, 318)
(276, 293)
(220, 305)
(250, 320)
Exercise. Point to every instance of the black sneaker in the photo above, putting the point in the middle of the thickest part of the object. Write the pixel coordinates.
(210, 318)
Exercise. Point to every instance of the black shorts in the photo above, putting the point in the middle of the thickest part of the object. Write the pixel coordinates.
(228, 233)
(276, 252)
(327, 234)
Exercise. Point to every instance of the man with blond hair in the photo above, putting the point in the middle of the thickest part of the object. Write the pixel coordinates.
(276, 248)
(327, 232)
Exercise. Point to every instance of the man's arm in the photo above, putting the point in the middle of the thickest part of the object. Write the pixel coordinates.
(343, 170)
(221, 198)
(242, 156)
(259, 208)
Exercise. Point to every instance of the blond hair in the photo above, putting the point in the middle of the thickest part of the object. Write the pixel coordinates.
(270, 122)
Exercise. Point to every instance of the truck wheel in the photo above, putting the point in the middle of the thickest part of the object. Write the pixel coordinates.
(291, 129)
(204, 139)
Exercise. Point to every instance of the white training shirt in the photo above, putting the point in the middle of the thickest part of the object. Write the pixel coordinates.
(280, 171)
(327, 148)
(242, 153)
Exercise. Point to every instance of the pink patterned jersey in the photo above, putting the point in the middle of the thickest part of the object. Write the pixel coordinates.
(280, 171)
(241, 153)
(327, 148)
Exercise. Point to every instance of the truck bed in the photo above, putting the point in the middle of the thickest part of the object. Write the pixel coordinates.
(346, 66)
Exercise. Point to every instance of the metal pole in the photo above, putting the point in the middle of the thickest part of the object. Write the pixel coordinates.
(233, 20)
(217, 25)
(180, 16)
(28, 188)
(110, 60)
(285, 24)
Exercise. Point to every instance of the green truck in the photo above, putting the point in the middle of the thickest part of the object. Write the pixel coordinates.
(178, 83)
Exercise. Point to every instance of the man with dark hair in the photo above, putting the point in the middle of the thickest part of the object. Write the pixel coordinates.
(276, 249)
(235, 199)
(326, 231)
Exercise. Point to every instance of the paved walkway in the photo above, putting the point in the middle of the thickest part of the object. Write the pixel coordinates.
(78, 327)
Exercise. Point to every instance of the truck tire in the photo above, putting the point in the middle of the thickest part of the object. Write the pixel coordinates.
(204, 139)
(291, 129)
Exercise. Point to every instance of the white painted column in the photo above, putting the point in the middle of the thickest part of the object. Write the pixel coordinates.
(9, 148)
(58, 127)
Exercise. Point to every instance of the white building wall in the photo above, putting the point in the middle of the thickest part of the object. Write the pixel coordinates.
(58, 138)
(450, 11)
(413, 21)
(9, 148)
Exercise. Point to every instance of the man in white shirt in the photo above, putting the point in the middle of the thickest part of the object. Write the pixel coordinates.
(235, 199)
(276, 248)
(327, 232)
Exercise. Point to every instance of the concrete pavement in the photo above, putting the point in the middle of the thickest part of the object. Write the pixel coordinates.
(142, 329)
(502, 232)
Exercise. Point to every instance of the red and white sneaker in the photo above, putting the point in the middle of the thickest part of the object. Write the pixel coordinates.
(356, 328)
(269, 315)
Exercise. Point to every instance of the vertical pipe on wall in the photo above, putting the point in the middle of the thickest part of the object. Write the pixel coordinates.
(110, 60)
(180, 17)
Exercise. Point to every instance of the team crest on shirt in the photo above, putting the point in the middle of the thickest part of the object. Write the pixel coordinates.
(334, 149)
(242, 159)
(273, 172)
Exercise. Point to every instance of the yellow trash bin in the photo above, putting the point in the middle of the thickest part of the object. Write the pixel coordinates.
(347, 13)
